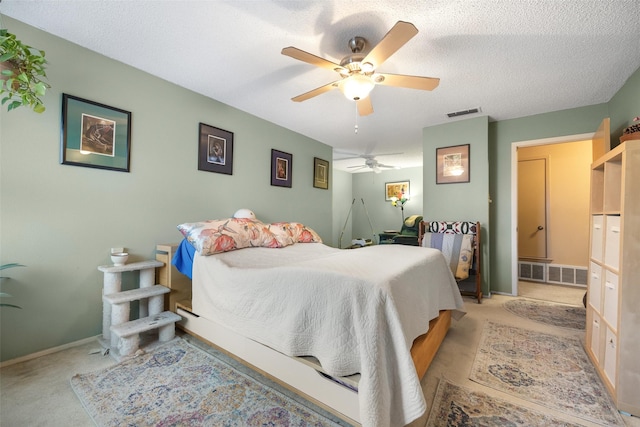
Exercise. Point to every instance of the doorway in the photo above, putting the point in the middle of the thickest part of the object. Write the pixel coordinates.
(542, 249)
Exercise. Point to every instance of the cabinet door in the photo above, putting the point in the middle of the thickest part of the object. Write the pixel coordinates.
(597, 234)
(612, 242)
(595, 286)
(610, 356)
(596, 339)
(611, 299)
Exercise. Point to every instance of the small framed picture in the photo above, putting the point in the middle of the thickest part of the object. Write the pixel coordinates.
(95, 135)
(320, 173)
(396, 189)
(452, 164)
(281, 167)
(215, 150)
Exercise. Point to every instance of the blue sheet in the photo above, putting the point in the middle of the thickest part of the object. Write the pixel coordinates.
(183, 258)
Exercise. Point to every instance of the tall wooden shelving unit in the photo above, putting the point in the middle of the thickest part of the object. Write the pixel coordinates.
(613, 308)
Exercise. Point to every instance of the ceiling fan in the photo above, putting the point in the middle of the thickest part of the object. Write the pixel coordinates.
(371, 162)
(357, 71)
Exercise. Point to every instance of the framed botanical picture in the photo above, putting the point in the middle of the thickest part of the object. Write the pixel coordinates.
(95, 135)
(215, 150)
(320, 173)
(281, 167)
(452, 164)
(394, 189)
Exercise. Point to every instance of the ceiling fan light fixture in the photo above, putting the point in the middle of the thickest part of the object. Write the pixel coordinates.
(367, 67)
(356, 87)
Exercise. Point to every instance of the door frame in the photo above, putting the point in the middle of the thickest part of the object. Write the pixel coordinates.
(514, 192)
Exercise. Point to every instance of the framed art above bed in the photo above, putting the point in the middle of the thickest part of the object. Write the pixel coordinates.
(281, 168)
(215, 150)
(320, 173)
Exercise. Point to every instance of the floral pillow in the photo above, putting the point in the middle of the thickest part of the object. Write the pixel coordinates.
(216, 236)
(288, 233)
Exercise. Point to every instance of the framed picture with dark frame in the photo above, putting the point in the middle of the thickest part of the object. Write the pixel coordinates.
(95, 135)
(281, 167)
(452, 164)
(392, 189)
(320, 173)
(215, 150)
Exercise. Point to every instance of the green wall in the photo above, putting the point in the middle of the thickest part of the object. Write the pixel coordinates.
(342, 185)
(460, 201)
(370, 187)
(487, 196)
(621, 109)
(501, 136)
(624, 107)
(61, 220)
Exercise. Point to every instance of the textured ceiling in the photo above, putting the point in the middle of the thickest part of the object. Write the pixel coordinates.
(511, 58)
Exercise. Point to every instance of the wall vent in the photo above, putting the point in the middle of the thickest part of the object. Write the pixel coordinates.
(552, 273)
(463, 112)
(532, 271)
(567, 274)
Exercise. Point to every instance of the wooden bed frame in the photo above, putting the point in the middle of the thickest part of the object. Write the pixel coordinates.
(299, 374)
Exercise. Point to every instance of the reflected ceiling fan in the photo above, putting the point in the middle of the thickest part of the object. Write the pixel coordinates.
(371, 162)
(357, 71)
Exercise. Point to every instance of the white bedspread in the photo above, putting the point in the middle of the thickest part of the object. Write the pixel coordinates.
(354, 310)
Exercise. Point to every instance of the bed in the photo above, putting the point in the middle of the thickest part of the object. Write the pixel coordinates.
(352, 330)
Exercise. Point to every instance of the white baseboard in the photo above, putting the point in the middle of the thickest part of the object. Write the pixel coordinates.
(47, 351)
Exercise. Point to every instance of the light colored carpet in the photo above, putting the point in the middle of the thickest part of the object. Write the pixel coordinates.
(571, 295)
(549, 370)
(37, 392)
(179, 384)
(456, 406)
(561, 315)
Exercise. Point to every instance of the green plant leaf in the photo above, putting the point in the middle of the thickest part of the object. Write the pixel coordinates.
(23, 85)
(14, 104)
(7, 56)
(10, 305)
(11, 265)
(40, 88)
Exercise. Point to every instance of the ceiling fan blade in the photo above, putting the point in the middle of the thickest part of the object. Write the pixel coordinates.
(315, 92)
(364, 106)
(357, 167)
(309, 58)
(346, 158)
(411, 82)
(380, 165)
(397, 36)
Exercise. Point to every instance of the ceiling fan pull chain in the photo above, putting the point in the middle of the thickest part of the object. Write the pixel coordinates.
(356, 128)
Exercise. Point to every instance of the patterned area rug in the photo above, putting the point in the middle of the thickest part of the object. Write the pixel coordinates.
(545, 369)
(179, 384)
(564, 316)
(455, 406)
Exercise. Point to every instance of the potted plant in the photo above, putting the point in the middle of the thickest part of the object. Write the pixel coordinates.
(22, 68)
(2, 294)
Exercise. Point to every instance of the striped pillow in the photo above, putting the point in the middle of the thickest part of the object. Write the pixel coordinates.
(456, 248)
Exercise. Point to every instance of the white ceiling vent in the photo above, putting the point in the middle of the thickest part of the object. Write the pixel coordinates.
(463, 112)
